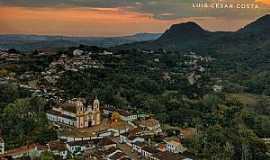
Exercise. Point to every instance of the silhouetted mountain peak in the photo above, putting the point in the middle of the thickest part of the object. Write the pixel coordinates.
(190, 36)
(183, 31)
(187, 27)
(260, 25)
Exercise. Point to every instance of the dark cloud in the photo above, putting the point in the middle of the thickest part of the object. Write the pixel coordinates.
(160, 9)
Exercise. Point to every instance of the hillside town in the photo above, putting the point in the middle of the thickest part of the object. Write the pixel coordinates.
(87, 128)
(101, 125)
(104, 132)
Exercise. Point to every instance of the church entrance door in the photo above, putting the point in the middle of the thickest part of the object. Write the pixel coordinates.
(89, 123)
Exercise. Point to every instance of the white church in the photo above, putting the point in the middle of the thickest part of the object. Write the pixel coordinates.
(76, 113)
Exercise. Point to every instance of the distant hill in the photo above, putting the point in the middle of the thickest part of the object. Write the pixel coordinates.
(183, 32)
(249, 46)
(178, 36)
(192, 36)
(260, 25)
(32, 42)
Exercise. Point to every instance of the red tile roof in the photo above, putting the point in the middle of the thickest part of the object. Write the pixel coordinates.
(20, 150)
(168, 156)
(57, 146)
(106, 142)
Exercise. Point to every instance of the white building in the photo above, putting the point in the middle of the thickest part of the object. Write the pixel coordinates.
(2, 146)
(174, 145)
(148, 152)
(77, 147)
(217, 88)
(129, 140)
(77, 52)
(126, 116)
(151, 125)
(137, 146)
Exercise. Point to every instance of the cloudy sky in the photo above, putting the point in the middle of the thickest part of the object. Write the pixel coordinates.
(119, 17)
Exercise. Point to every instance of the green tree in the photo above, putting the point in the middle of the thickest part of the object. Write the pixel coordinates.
(47, 156)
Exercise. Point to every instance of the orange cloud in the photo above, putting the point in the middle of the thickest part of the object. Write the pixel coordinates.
(85, 21)
(263, 1)
(77, 21)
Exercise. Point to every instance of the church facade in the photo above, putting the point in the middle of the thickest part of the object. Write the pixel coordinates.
(76, 113)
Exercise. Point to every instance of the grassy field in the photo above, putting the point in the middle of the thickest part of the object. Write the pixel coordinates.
(249, 100)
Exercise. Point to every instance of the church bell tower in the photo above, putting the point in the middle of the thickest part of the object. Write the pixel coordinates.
(96, 112)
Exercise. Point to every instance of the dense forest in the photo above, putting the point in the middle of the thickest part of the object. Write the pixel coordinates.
(23, 120)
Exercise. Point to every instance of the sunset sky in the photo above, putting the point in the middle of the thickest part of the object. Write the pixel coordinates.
(117, 17)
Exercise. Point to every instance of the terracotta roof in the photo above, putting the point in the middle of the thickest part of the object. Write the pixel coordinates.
(59, 114)
(57, 146)
(80, 143)
(151, 122)
(118, 156)
(106, 141)
(134, 131)
(188, 132)
(169, 156)
(162, 146)
(69, 107)
(175, 143)
(42, 147)
(172, 140)
(20, 150)
(111, 150)
(150, 150)
(3, 158)
(90, 155)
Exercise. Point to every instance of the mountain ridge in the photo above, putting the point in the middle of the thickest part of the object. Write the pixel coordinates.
(262, 24)
(191, 36)
(32, 42)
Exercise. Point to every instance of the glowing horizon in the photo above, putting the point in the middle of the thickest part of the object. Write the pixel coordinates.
(115, 18)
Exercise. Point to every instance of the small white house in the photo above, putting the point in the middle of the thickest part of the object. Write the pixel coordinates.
(137, 146)
(77, 147)
(77, 52)
(148, 152)
(54, 116)
(175, 146)
(107, 143)
(104, 53)
(151, 124)
(217, 88)
(126, 116)
(2, 146)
